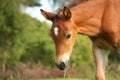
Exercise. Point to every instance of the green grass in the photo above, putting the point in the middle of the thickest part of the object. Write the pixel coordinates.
(108, 78)
(63, 79)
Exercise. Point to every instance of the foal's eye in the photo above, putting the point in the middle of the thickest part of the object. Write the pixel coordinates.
(68, 36)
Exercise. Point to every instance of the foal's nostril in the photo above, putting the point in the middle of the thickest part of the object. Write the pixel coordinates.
(61, 66)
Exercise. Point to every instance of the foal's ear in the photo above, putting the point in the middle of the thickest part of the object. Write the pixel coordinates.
(47, 15)
(67, 13)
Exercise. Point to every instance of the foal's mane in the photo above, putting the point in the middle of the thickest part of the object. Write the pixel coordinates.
(72, 3)
(75, 2)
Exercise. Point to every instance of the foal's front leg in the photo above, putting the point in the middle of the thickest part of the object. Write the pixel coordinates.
(101, 59)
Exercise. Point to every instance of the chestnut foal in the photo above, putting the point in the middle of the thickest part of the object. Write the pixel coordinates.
(98, 19)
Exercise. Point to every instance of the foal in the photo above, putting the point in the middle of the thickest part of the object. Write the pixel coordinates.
(98, 19)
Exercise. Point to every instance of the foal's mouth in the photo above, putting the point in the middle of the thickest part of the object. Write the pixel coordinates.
(61, 66)
(63, 62)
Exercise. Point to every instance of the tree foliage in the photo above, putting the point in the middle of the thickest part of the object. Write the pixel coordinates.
(32, 3)
(21, 35)
(82, 52)
(58, 3)
(9, 13)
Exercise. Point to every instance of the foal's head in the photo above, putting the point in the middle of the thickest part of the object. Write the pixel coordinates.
(63, 32)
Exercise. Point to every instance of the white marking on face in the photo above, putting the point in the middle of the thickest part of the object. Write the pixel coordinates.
(56, 29)
(66, 57)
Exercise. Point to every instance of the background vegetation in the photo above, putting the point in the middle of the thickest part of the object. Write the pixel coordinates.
(26, 47)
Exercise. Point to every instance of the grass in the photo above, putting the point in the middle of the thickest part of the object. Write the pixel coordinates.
(108, 78)
(92, 78)
(52, 79)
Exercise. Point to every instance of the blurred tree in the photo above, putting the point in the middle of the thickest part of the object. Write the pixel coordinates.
(114, 56)
(58, 3)
(9, 10)
(19, 33)
(32, 3)
(40, 47)
(83, 49)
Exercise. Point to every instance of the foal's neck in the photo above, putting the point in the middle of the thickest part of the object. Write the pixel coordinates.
(87, 16)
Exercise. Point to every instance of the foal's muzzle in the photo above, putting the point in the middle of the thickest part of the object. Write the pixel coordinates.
(62, 62)
(61, 66)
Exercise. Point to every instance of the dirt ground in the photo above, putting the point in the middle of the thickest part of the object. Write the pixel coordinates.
(29, 71)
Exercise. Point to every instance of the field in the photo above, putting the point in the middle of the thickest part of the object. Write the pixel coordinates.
(108, 78)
